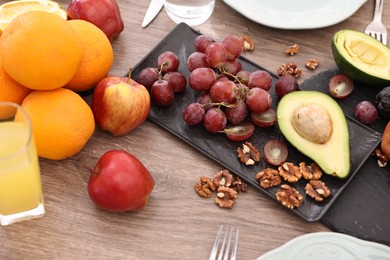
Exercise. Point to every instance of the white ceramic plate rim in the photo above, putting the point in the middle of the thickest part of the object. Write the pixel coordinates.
(298, 14)
(328, 245)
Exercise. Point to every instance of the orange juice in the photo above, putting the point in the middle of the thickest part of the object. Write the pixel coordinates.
(20, 181)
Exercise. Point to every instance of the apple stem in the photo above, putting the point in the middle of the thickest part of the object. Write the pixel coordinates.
(129, 76)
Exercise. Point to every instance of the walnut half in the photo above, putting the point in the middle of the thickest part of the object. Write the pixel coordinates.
(289, 197)
(225, 197)
(248, 154)
(310, 172)
(317, 190)
(289, 172)
(268, 178)
(205, 187)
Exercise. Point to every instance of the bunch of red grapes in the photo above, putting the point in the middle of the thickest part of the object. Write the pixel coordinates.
(227, 93)
(164, 80)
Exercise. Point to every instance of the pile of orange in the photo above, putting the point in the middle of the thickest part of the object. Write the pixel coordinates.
(44, 61)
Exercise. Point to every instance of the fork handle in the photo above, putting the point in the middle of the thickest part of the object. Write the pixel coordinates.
(378, 9)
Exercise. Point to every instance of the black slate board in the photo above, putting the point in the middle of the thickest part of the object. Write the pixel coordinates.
(223, 151)
(363, 209)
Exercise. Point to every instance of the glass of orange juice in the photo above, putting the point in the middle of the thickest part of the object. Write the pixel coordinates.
(21, 196)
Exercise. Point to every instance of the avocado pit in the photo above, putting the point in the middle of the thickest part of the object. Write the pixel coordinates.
(312, 122)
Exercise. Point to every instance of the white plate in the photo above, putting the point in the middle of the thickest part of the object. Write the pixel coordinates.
(328, 245)
(298, 14)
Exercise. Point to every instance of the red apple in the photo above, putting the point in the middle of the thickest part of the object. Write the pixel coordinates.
(120, 182)
(385, 144)
(120, 104)
(105, 14)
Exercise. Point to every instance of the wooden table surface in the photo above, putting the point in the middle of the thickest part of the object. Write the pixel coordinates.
(177, 223)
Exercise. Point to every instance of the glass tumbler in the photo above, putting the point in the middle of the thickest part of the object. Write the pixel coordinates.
(21, 195)
(191, 12)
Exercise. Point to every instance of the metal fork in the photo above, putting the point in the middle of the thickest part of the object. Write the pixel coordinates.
(225, 248)
(376, 28)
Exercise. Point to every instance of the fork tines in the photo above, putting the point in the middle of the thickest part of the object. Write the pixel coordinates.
(223, 249)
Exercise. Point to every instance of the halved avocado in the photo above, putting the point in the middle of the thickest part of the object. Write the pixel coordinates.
(315, 124)
(362, 58)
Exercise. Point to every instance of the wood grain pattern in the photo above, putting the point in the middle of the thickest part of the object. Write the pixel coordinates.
(176, 224)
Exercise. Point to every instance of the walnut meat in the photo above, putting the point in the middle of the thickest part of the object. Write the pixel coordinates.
(317, 190)
(268, 178)
(247, 43)
(223, 178)
(205, 187)
(310, 172)
(239, 186)
(289, 172)
(248, 154)
(225, 197)
(292, 50)
(289, 197)
(312, 64)
(290, 69)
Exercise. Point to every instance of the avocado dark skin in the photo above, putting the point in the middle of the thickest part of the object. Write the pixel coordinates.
(382, 101)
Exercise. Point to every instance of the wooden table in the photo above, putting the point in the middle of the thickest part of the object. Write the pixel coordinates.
(177, 223)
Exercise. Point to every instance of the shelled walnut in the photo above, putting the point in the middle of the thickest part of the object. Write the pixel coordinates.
(225, 197)
(310, 172)
(238, 185)
(205, 187)
(226, 186)
(223, 178)
(292, 50)
(289, 172)
(290, 69)
(289, 197)
(247, 43)
(248, 154)
(317, 190)
(268, 178)
(312, 63)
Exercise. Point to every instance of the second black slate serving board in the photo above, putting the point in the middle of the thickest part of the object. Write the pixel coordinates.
(363, 209)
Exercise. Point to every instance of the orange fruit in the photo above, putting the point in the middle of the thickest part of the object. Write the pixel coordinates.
(9, 10)
(62, 122)
(10, 90)
(97, 57)
(40, 50)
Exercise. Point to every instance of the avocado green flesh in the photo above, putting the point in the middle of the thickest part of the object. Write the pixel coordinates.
(362, 57)
(333, 156)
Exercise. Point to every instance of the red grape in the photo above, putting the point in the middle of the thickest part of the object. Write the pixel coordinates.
(243, 76)
(260, 79)
(237, 113)
(286, 84)
(201, 43)
(162, 93)
(168, 61)
(177, 80)
(340, 86)
(231, 67)
(366, 112)
(266, 119)
(233, 45)
(258, 100)
(240, 132)
(216, 54)
(275, 152)
(147, 77)
(193, 114)
(214, 120)
(205, 100)
(201, 79)
(223, 91)
(197, 60)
